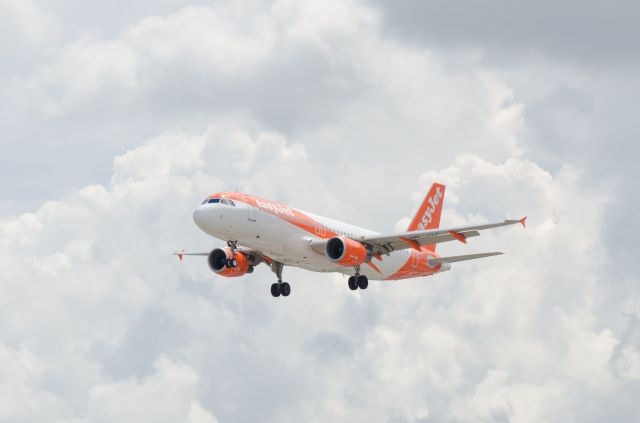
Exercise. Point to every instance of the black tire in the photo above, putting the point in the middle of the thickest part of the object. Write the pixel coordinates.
(352, 283)
(285, 289)
(274, 290)
(363, 282)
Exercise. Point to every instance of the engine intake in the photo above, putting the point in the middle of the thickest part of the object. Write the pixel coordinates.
(346, 252)
(217, 261)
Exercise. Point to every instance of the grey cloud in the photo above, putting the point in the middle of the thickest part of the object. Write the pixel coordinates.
(572, 66)
(590, 32)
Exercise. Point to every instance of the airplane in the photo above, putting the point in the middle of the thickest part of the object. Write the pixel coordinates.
(258, 230)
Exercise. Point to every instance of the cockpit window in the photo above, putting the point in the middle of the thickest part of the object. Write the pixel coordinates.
(231, 203)
(213, 200)
(224, 201)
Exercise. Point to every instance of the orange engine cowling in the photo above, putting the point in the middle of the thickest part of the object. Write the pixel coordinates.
(217, 261)
(346, 252)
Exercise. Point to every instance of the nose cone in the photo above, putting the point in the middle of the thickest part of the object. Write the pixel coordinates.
(199, 217)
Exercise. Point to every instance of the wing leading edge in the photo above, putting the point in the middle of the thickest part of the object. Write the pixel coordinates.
(384, 244)
(255, 257)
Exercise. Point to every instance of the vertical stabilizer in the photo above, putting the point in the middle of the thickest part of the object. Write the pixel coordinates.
(428, 215)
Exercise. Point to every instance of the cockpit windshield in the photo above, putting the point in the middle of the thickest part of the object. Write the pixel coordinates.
(218, 201)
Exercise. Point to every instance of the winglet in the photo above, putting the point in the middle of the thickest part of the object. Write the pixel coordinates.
(179, 254)
(523, 221)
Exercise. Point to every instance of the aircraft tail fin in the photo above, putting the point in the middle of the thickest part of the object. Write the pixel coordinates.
(428, 215)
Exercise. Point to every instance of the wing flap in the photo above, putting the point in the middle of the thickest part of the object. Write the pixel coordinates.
(398, 244)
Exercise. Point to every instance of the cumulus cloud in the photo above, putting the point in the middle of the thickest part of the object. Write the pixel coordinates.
(330, 80)
(124, 323)
(26, 20)
(165, 396)
(316, 105)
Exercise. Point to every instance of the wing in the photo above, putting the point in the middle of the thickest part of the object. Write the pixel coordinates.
(181, 253)
(384, 244)
(453, 259)
(255, 257)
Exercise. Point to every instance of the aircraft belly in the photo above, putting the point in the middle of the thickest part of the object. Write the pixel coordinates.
(290, 245)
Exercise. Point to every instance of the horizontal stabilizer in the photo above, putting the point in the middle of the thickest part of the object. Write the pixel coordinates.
(453, 259)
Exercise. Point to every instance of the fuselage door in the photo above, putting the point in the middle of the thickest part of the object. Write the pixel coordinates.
(251, 213)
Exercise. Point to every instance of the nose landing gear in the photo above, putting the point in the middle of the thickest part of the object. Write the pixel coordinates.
(232, 262)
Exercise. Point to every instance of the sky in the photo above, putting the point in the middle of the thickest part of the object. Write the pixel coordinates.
(118, 118)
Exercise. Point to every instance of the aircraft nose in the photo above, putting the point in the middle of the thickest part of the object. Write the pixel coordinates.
(198, 217)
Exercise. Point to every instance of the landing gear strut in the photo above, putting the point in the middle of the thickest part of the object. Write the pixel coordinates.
(279, 288)
(232, 262)
(358, 281)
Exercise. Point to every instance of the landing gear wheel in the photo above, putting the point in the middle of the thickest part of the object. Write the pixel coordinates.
(275, 291)
(352, 283)
(232, 263)
(285, 289)
(363, 282)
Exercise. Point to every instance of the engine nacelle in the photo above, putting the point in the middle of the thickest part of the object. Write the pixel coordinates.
(346, 252)
(217, 261)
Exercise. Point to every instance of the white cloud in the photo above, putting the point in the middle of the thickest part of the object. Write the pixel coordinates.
(24, 21)
(165, 396)
(497, 338)
(315, 105)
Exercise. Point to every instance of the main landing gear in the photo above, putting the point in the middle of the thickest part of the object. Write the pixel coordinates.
(232, 262)
(279, 288)
(358, 281)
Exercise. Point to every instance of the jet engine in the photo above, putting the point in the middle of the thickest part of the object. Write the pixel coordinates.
(347, 252)
(219, 258)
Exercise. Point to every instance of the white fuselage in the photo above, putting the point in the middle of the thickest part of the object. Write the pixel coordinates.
(280, 233)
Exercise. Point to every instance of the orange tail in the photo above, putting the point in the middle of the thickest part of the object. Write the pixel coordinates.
(428, 215)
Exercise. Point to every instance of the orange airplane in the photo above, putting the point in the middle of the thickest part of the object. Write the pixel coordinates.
(264, 231)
